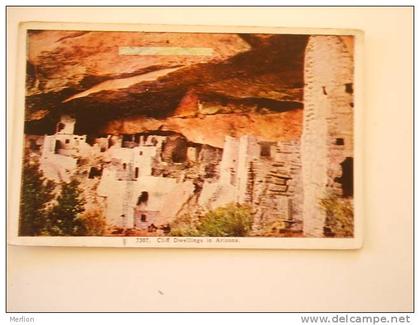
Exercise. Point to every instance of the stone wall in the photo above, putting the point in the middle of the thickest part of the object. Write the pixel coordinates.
(59, 155)
(209, 162)
(249, 150)
(174, 149)
(146, 164)
(229, 162)
(327, 137)
(265, 175)
(166, 198)
(274, 186)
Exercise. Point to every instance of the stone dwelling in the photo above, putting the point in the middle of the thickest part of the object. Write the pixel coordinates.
(263, 174)
(151, 178)
(135, 197)
(151, 182)
(61, 150)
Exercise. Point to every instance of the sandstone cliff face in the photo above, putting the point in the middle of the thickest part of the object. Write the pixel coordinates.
(249, 84)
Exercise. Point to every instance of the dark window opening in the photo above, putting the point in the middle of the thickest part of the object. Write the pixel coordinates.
(60, 126)
(143, 198)
(143, 218)
(349, 88)
(127, 137)
(179, 155)
(32, 145)
(265, 150)
(141, 153)
(339, 142)
(174, 150)
(128, 141)
(324, 90)
(95, 172)
(67, 140)
(124, 165)
(58, 146)
(136, 172)
(346, 179)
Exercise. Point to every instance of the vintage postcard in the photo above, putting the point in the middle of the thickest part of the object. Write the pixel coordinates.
(187, 136)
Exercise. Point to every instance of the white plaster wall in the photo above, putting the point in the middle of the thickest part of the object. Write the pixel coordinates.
(157, 187)
(85, 150)
(107, 178)
(132, 155)
(49, 144)
(174, 200)
(144, 161)
(214, 195)
(113, 191)
(123, 154)
(58, 167)
(229, 159)
(165, 195)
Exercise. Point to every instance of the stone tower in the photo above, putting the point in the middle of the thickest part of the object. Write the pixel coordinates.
(327, 137)
(65, 125)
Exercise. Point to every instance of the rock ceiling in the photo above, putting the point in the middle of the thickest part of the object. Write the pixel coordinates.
(249, 83)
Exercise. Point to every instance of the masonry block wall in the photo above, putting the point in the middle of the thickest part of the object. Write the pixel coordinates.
(327, 137)
(275, 186)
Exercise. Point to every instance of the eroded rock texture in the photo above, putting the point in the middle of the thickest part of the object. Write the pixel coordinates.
(250, 82)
